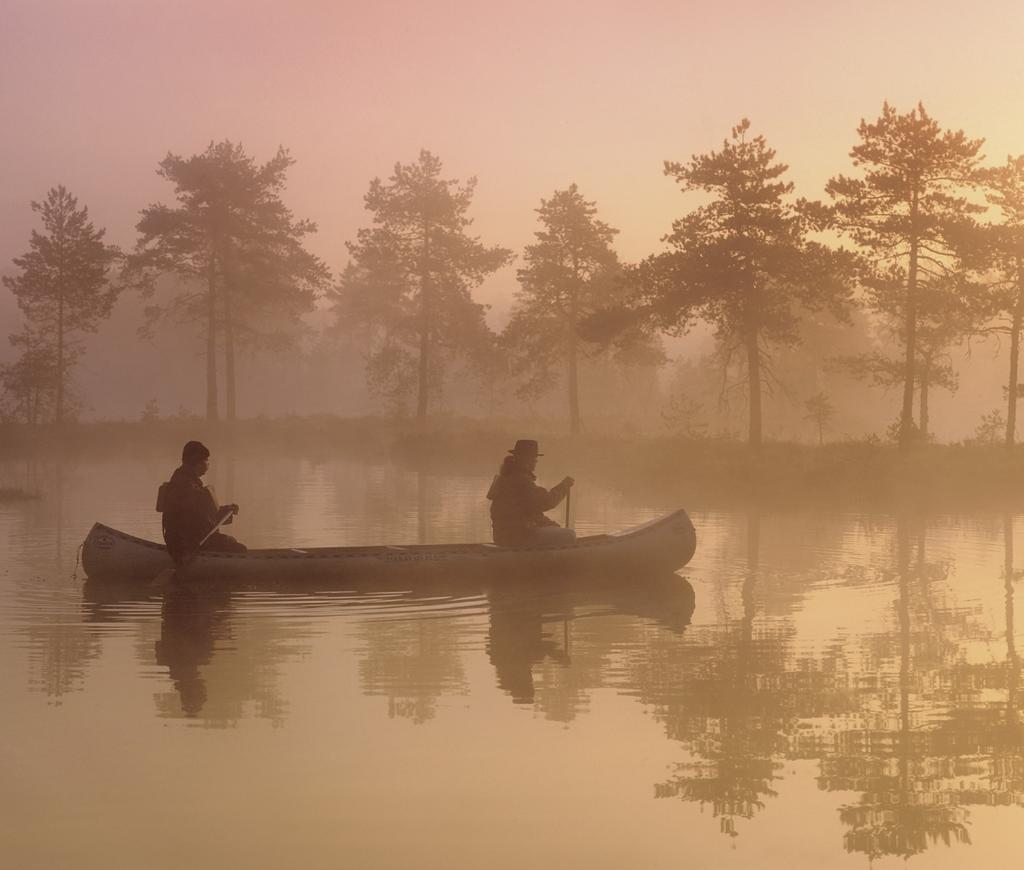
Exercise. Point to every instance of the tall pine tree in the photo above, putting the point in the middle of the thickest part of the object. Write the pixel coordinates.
(237, 251)
(905, 212)
(412, 274)
(1002, 264)
(63, 288)
(569, 273)
(742, 261)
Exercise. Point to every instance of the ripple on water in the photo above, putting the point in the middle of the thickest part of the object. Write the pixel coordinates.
(833, 682)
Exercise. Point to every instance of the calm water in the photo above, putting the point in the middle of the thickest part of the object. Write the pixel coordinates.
(815, 690)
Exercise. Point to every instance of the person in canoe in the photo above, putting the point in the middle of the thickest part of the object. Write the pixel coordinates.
(518, 503)
(190, 510)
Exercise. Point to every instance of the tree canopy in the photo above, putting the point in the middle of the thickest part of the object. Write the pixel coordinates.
(238, 252)
(64, 290)
(999, 259)
(742, 261)
(569, 273)
(905, 212)
(411, 277)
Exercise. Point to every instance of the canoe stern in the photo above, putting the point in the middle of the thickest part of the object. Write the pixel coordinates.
(108, 553)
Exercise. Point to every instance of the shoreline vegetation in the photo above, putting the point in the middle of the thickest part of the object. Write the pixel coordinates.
(690, 472)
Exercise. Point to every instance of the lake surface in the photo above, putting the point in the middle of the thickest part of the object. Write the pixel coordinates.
(815, 690)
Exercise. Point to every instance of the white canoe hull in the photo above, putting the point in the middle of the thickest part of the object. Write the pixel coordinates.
(664, 544)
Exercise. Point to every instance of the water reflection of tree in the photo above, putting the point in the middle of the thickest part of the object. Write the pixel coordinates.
(376, 504)
(270, 500)
(908, 724)
(413, 663)
(913, 732)
(59, 643)
(733, 727)
(988, 735)
(910, 772)
(1007, 771)
(920, 732)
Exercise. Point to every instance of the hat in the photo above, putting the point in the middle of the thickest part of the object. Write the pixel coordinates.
(525, 447)
(194, 451)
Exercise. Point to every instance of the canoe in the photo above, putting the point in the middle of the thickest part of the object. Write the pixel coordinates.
(661, 545)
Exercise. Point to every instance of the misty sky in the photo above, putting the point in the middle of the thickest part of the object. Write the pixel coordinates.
(526, 96)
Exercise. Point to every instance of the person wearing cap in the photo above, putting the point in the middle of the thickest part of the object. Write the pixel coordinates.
(190, 509)
(518, 503)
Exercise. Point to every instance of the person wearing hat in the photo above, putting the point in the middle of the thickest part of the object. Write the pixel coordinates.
(518, 503)
(190, 509)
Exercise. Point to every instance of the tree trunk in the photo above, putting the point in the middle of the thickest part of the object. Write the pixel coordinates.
(59, 412)
(1011, 398)
(907, 412)
(906, 674)
(754, 380)
(574, 389)
(753, 542)
(211, 340)
(424, 370)
(425, 348)
(229, 356)
(574, 383)
(1008, 548)
(821, 433)
(58, 415)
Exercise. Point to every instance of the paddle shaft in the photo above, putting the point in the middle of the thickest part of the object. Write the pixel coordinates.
(568, 497)
(216, 526)
(165, 575)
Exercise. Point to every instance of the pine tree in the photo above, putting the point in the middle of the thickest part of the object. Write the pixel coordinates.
(742, 261)
(570, 272)
(905, 212)
(1001, 259)
(412, 273)
(820, 411)
(28, 385)
(64, 286)
(238, 251)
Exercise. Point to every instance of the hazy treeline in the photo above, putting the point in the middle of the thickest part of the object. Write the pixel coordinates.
(783, 313)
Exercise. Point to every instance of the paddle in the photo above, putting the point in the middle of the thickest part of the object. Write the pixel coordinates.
(226, 513)
(164, 577)
(568, 497)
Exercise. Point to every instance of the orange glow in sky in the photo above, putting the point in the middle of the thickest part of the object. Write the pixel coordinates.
(527, 96)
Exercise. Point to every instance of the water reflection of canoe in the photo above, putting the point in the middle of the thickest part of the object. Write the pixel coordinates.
(664, 544)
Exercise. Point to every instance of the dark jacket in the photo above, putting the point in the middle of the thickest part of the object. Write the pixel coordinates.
(189, 512)
(518, 504)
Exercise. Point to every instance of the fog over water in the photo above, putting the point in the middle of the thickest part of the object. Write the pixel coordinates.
(815, 689)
